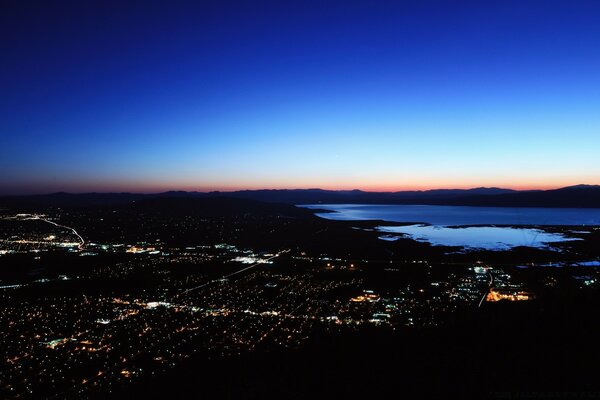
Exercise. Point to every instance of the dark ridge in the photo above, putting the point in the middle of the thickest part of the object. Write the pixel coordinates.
(214, 207)
(68, 200)
(579, 196)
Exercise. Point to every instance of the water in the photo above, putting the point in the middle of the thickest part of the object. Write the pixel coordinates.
(461, 216)
(453, 225)
(480, 237)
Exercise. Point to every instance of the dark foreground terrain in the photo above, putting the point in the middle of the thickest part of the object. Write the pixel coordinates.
(507, 351)
(232, 298)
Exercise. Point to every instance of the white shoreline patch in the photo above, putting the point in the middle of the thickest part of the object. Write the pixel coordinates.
(478, 237)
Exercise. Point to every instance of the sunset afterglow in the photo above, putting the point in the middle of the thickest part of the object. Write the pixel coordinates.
(225, 98)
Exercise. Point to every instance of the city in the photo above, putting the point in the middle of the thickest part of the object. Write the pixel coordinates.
(87, 318)
(290, 200)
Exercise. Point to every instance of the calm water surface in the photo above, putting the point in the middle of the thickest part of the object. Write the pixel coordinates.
(458, 215)
(452, 225)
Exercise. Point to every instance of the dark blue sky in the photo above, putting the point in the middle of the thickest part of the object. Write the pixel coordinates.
(147, 95)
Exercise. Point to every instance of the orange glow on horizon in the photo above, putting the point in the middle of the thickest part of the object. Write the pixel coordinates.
(154, 187)
(147, 186)
(148, 189)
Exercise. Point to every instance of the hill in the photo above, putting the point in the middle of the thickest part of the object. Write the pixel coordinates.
(579, 196)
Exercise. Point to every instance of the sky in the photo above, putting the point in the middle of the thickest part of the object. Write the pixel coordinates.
(147, 96)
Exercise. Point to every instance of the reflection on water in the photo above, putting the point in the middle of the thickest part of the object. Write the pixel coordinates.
(480, 237)
(460, 215)
(442, 218)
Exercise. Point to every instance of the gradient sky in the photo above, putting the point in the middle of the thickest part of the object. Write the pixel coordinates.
(149, 96)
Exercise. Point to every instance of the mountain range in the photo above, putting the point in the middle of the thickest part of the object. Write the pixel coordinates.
(579, 196)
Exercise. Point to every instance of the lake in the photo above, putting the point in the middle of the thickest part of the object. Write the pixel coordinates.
(460, 215)
(453, 225)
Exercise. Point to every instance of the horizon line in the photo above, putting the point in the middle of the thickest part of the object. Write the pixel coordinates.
(291, 189)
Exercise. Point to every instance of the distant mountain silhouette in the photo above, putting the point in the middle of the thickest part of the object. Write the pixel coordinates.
(586, 196)
(313, 196)
(580, 196)
(207, 206)
(67, 200)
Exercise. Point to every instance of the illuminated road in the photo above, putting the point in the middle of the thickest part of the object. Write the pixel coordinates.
(36, 217)
(488, 289)
(231, 274)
